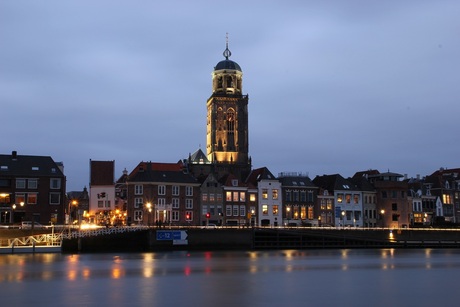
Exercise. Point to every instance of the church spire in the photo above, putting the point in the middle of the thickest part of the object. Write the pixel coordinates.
(227, 52)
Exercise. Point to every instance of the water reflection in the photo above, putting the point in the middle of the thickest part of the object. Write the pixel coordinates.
(233, 277)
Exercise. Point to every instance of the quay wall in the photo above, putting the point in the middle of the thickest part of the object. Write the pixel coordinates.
(150, 240)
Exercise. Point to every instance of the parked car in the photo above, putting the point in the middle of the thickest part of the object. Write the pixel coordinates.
(28, 225)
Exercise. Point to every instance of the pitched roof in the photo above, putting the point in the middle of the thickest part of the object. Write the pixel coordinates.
(198, 157)
(160, 172)
(334, 182)
(259, 174)
(22, 165)
(296, 181)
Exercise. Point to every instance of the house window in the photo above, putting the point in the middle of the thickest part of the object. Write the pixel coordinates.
(55, 183)
(189, 215)
(175, 190)
(161, 202)
(175, 215)
(228, 196)
(296, 195)
(32, 198)
(138, 215)
(310, 213)
(138, 189)
(252, 197)
(161, 190)
(356, 198)
(242, 196)
(339, 198)
(329, 204)
(228, 210)
(394, 206)
(188, 191)
(175, 203)
(212, 197)
(235, 196)
(275, 194)
(303, 196)
(303, 212)
(264, 193)
(219, 197)
(275, 210)
(204, 197)
(20, 183)
(235, 210)
(310, 196)
(264, 209)
(189, 203)
(138, 202)
(242, 210)
(100, 204)
(32, 183)
(55, 198)
(384, 194)
(348, 198)
(19, 199)
(288, 195)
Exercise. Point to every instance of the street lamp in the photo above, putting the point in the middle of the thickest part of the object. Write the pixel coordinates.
(382, 212)
(343, 219)
(149, 208)
(288, 211)
(253, 222)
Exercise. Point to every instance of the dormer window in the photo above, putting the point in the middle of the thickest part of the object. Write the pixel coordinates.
(235, 182)
(35, 168)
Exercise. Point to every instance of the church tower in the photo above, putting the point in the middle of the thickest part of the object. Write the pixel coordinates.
(227, 119)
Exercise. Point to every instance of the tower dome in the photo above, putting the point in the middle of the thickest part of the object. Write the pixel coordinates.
(227, 75)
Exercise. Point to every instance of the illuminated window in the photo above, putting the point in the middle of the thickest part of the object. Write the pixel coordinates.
(242, 196)
(204, 197)
(264, 193)
(264, 209)
(356, 198)
(446, 199)
(348, 198)
(310, 212)
(323, 204)
(211, 197)
(275, 194)
(252, 197)
(275, 210)
(32, 198)
(329, 204)
(20, 198)
(303, 212)
(219, 197)
(339, 198)
(228, 196)
(235, 196)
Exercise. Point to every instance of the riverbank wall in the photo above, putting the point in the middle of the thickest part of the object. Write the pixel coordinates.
(153, 239)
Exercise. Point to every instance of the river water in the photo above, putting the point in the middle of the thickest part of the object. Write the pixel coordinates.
(353, 277)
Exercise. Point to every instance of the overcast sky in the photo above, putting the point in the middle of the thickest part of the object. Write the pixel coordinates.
(334, 86)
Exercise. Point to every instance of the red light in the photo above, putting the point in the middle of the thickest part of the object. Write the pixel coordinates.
(208, 215)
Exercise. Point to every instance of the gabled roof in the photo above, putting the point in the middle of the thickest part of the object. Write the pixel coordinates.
(198, 157)
(21, 165)
(259, 174)
(366, 173)
(296, 181)
(160, 172)
(102, 172)
(229, 180)
(362, 183)
(334, 183)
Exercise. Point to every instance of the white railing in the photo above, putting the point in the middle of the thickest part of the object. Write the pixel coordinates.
(43, 239)
(101, 232)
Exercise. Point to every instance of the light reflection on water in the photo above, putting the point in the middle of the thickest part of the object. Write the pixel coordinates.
(314, 277)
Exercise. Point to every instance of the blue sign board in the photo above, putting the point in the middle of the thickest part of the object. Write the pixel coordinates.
(338, 212)
(165, 235)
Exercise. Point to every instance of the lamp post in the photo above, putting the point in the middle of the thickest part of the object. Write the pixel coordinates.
(149, 208)
(382, 212)
(288, 212)
(253, 222)
(343, 219)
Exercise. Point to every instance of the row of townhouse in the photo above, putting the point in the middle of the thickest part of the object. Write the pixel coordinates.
(33, 188)
(166, 193)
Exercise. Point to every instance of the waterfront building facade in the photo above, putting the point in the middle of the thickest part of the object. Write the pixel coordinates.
(299, 199)
(162, 194)
(32, 188)
(269, 208)
(348, 208)
(102, 192)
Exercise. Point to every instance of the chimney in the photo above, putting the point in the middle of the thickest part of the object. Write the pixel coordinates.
(14, 155)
